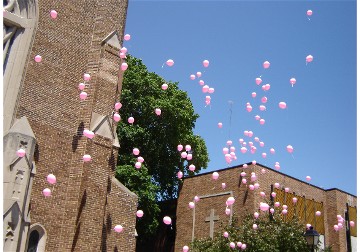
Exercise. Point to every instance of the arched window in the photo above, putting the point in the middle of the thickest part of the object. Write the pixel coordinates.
(33, 241)
(37, 239)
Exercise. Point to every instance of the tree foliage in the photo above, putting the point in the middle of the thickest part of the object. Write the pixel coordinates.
(275, 234)
(156, 137)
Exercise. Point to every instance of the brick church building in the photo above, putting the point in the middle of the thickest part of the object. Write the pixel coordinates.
(44, 116)
(204, 219)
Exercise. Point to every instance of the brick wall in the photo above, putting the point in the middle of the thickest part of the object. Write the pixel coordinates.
(81, 204)
(247, 201)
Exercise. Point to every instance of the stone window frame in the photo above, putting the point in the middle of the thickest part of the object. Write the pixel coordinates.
(42, 236)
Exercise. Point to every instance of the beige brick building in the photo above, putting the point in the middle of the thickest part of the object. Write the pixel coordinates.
(210, 209)
(44, 115)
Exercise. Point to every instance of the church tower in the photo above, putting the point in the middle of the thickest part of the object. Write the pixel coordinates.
(44, 115)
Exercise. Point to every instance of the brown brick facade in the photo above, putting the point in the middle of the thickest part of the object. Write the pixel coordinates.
(332, 201)
(86, 202)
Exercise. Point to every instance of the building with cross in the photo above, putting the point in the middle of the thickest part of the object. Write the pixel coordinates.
(44, 116)
(209, 213)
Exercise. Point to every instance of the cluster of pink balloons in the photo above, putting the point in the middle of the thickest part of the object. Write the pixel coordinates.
(83, 95)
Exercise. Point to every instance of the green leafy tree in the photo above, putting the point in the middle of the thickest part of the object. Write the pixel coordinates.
(157, 138)
(272, 234)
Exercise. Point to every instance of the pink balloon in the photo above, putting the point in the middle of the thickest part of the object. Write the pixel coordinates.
(250, 133)
(220, 125)
(123, 50)
(118, 228)
(230, 201)
(226, 234)
(183, 154)
(118, 106)
(256, 185)
(51, 179)
(262, 121)
(46, 192)
(251, 187)
(229, 142)
(83, 95)
(309, 58)
(131, 120)
(180, 147)
(192, 167)
(87, 77)
(187, 147)
(20, 152)
(225, 150)
(277, 185)
(158, 111)
(239, 244)
(277, 166)
(263, 87)
(138, 165)
(264, 99)
(253, 94)
(86, 158)
(81, 86)
(253, 162)
(127, 37)
(292, 81)
(227, 211)
(277, 204)
(136, 151)
(140, 159)
(167, 220)
(139, 213)
(189, 156)
(198, 74)
(309, 13)
(255, 226)
(264, 207)
(232, 245)
(308, 226)
(180, 174)
(318, 213)
(170, 62)
(243, 174)
(287, 189)
(282, 105)
(262, 194)
(164, 86)
(53, 14)
(258, 81)
(267, 87)
(185, 249)
(215, 175)
(223, 185)
(122, 55)
(211, 90)
(38, 58)
(192, 76)
(124, 66)
(340, 225)
(248, 108)
(336, 227)
(116, 117)
(89, 134)
(243, 246)
(191, 205)
(206, 63)
(244, 181)
(272, 151)
(256, 215)
(284, 211)
(245, 166)
(266, 64)
(208, 98)
(201, 82)
(273, 194)
(263, 171)
(290, 149)
(352, 224)
(257, 117)
(205, 89)
(308, 178)
(294, 200)
(243, 150)
(262, 107)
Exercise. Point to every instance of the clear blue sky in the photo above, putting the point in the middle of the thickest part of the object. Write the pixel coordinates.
(237, 37)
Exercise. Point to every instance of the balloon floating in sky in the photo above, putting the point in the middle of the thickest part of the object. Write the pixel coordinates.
(122, 55)
(53, 14)
(264, 99)
(292, 81)
(201, 82)
(192, 76)
(267, 87)
(164, 86)
(262, 107)
(20, 152)
(170, 62)
(38, 58)
(282, 105)
(167, 220)
(308, 178)
(253, 94)
(309, 13)
(258, 81)
(205, 89)
(262, 121)
(118, 228)
(198, 74)
(206, 63)
(211, 90)
(266, 64)
(123, 50)
(309, 58)
(290, 149)
(220, 125)
(46, 192)
(127, 37)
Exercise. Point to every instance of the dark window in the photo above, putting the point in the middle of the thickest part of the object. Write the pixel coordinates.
(33, 241)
